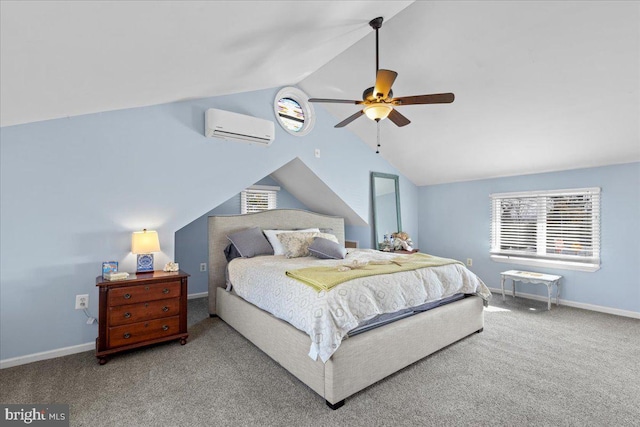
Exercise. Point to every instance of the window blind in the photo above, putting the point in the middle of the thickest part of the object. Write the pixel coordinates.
(256, 200)
(555, 225)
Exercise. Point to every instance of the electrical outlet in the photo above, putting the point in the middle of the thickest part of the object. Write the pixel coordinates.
(469, 262)
(82, 302)
(203, 266)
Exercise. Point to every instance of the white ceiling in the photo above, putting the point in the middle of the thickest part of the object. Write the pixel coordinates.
(65, 58)
(540, 86)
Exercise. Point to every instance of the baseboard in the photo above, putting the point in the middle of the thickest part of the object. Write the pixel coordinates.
(59, 352)
(51, 354)
(198, 295)
(497, 293)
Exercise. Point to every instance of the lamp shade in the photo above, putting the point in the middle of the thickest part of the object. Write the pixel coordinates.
(378, 111)
(145, 242)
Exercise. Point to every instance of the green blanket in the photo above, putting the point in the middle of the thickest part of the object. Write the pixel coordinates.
(326, 278)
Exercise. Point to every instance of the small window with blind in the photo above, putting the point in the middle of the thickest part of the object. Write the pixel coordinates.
(558, 228)
(258, 198)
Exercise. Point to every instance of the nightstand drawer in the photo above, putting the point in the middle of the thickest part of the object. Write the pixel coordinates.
(132, 313)
(143, 331)
(143, 293)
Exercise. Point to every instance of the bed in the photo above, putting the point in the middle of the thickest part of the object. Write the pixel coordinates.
(360, 360)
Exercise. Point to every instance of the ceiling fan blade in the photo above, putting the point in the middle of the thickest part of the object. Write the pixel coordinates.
(384, 81)
(437, 98)
(337, 101)
(349, 119)
(398, 118)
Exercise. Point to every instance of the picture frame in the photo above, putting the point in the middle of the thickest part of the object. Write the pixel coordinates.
(109, 267)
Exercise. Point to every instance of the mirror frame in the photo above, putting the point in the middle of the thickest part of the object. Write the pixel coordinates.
(396, 180)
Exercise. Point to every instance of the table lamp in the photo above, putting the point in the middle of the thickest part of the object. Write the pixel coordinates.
(142, 244)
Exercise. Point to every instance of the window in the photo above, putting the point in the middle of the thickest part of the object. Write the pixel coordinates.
(293, 111)
(290, 114)
(558, 229)
(258, 198)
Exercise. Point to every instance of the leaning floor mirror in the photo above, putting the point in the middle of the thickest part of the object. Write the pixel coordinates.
(385, 193)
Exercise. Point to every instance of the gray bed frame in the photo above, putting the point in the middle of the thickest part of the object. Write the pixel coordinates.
(360, 361)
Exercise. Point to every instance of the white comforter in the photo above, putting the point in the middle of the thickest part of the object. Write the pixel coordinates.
(327, 316)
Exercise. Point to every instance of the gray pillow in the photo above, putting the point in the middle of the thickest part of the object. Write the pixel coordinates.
(251, 242)
(230, 252)
(326, 249)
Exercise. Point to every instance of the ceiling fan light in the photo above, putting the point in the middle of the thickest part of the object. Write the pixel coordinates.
(378, 111)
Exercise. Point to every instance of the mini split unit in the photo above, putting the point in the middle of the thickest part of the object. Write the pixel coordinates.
(238, 127)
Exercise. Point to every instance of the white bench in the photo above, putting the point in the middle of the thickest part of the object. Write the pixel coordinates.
(529, 277)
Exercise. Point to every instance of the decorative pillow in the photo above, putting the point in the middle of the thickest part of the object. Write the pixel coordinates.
(250, 242)
(327, 249)
(230, 252)
(272, 236)
(297, 244)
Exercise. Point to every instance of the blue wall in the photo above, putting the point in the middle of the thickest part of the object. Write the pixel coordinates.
(73, 190)
(455, 222)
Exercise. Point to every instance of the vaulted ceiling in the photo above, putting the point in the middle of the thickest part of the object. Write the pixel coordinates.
(539, 86)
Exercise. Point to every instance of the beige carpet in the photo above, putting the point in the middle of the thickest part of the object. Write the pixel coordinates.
(566, 367)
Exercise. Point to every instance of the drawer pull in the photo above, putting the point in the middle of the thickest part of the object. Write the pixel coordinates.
(127, 315)
(165, 328)
(146, 288)
(127, 296)
(165, 291)
(127, 336)
(165, 308)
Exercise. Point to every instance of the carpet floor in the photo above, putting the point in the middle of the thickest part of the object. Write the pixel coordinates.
(530, 367)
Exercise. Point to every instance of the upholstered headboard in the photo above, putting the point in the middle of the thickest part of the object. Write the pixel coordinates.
(285, 219)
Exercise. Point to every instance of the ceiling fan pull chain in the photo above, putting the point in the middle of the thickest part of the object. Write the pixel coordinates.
(378, 137)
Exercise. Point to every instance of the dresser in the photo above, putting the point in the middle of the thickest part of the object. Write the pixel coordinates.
(145, 309)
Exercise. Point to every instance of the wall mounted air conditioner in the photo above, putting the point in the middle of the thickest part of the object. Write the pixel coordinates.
(238, 127)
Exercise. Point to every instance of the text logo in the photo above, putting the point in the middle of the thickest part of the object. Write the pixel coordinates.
(40, 415)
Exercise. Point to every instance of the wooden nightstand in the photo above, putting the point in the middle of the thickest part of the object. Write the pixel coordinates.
(146, 309)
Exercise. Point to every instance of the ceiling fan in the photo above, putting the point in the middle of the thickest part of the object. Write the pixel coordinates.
(378, 100)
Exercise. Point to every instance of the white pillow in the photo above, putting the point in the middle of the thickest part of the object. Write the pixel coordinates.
(272, 237)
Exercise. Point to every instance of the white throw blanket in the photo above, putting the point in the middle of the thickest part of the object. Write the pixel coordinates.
(327, 316)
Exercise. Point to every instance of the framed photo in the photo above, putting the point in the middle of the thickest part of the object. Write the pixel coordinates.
(109, 267)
